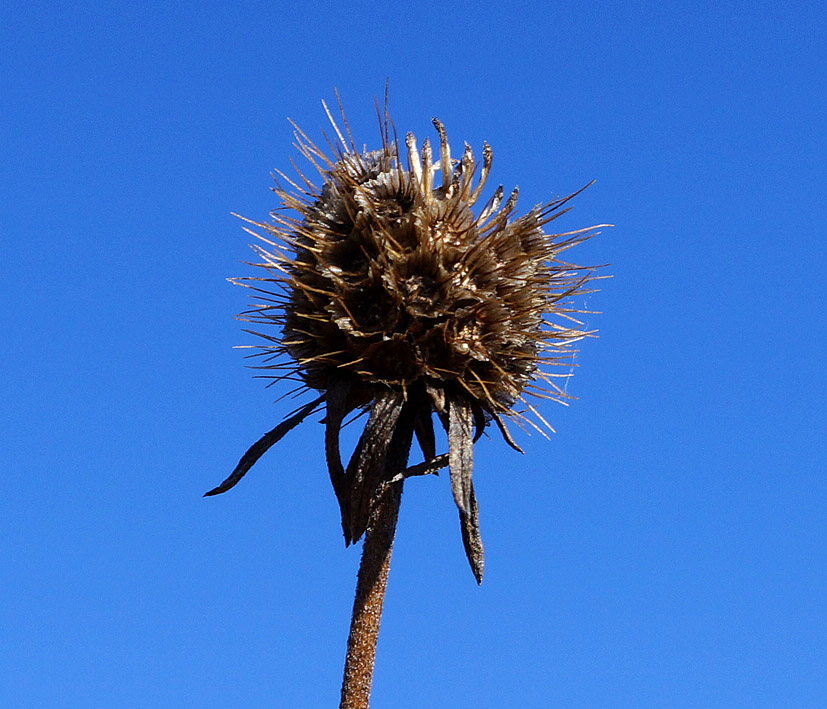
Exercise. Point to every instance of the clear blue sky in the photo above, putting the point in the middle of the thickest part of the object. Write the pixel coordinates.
(665, 549)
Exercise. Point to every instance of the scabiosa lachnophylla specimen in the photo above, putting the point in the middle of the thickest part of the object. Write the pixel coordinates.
(387, 291)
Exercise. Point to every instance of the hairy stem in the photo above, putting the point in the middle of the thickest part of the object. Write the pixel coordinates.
(373, 574)
(367, 607)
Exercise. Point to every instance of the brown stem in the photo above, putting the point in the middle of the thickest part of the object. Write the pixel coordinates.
(373, 573)
(367, 606)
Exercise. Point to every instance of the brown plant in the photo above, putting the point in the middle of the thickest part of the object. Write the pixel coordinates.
(386, 293)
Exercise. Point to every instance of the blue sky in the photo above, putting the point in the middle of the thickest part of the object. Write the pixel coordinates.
(665, 548)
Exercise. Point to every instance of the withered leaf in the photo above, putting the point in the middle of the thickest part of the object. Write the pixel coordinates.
(460, 452)
(471, 539)
(262, 445)
(367, 466)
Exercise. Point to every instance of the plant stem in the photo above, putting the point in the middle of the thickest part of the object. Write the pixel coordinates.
(373, 572)
(367, 606)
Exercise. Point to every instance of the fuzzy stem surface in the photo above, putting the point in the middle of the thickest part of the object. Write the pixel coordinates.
(373, 575)
(367, 606)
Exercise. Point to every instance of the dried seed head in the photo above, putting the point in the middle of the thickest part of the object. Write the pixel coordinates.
(392, 279)
(388, 281)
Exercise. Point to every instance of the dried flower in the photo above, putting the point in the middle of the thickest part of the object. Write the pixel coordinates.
(384, 291)
(393, 296)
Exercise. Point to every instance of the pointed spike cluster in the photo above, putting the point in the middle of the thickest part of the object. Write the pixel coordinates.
(393, 297)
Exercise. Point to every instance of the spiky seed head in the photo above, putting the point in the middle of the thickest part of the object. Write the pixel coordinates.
(392, 278)
(395, 293)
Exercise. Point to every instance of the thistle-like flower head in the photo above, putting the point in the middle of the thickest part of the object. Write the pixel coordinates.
(387, 289)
